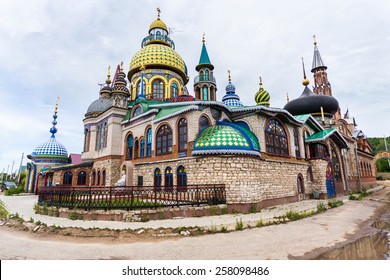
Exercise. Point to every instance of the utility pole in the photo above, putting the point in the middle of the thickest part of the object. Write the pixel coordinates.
(6, 177)
(388, 160)
(12, 169)
(20, 168)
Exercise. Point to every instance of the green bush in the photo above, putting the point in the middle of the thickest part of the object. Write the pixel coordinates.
(335, 203)
(239, 225)
(14, 190)
(253, 208)
(321, 208)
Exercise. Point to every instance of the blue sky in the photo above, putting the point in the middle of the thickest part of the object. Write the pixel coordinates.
(62, 48)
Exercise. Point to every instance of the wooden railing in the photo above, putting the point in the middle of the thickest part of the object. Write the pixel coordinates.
(131, 197)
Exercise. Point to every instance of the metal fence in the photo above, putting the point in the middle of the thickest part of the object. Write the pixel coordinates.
(131, 197)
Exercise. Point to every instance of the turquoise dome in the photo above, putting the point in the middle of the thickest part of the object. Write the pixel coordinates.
(226, 138)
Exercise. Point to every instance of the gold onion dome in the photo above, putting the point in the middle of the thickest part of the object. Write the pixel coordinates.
(262, 97)
(159, 56)
(158, 23)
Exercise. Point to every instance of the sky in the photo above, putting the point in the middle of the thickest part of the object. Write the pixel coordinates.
(62, 48)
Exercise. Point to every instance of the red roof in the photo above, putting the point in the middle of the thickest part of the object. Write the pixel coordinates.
(75, 158)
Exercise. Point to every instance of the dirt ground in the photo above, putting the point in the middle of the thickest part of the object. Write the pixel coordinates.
(303, 239)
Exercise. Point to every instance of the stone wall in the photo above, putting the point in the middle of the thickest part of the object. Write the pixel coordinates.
(247, 179)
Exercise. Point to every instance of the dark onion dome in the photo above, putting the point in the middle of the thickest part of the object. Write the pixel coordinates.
(311, 103)
(262, 97)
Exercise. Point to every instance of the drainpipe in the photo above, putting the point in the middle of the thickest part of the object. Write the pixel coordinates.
(358, 168)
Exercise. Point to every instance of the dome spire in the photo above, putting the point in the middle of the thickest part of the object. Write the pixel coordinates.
(231, 99)
(158, 12)
(305, 81)
(317, 59)
(53, 130)
(204, 60)
(108, 81)
(262, 97)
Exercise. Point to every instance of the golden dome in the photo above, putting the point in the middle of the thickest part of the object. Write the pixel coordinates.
(158, 56)
(158, 23)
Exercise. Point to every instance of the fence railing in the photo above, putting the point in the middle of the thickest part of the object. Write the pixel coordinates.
(131, 197)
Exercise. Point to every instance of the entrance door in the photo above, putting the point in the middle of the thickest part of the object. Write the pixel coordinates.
(330, 190)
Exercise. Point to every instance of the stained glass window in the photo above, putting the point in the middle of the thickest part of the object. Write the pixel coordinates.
(158, 89)
(181, 178)
(149, 143)
(203, 123)
(157, 179)
(164, 140)
(296, 144)
(318, 150)
(139, 87)
(68, 178)
(205, 93)
(130, 143)
(142, 148)
(174, 90)
(276, 138)
(182, 135)
(82, 178)
(137, 111)
(336, 166)
(136, 148)
(86, 140)
(206, 75)
(168, 179)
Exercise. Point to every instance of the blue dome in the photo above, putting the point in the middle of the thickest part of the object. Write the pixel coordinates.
(232, 102)
(230, 88)
(51, 148)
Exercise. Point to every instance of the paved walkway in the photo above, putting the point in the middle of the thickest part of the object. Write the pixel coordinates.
(23, 205)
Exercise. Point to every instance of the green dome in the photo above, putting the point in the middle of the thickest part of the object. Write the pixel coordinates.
(226, 138)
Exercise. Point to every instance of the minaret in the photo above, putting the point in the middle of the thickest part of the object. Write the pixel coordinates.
(321, 83)
(204, 84)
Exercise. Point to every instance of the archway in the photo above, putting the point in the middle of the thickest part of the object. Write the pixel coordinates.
(379, 156)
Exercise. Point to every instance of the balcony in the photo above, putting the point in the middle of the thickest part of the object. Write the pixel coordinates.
(151, 38)
(204, 79)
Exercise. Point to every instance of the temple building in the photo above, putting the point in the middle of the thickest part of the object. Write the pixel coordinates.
(146, 129)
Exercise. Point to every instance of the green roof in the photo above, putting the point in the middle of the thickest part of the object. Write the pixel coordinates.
(167, 111)
(204, 56)
(302, 118)
(320, 136)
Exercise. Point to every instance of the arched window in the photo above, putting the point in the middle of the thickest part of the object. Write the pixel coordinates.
(142, 148)
(309, 174)
(130, 143)
(181, 178)
(168, 179)
(104, 177)
(201, 76)
(205, 93)
(137, 111)
(336, 166)
(139, 87)
(164, 140)
(93, 178)
(98, 178)
(318, 150)
(203, 123)
(86, 140)
(136, 148)
(104, 137)
(276, 138)
(82, 178)
(158, 89)
(68, 176)
(174, 90)
(182, 128)
(296, 144)
(157, 179)
(98, 137)
(206, 75)
(149, 143)
(300, 184)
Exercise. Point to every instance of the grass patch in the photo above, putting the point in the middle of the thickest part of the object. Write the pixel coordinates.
(335, 203)
(321, 208)
(253, 208)
(239, 225)
(260, 223)
(214, 210)
(294, 216)
(223, 229)
(3, 211)
(73, 215)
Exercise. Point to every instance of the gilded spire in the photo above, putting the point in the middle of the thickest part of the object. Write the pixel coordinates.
(121, 67)
(229, 78)
(158, 12)
(314, 38)
(261, 82)
(108, 81)
(53, 130)
(203, 40)
(305, 81)
(287, 98)
(56, 107)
